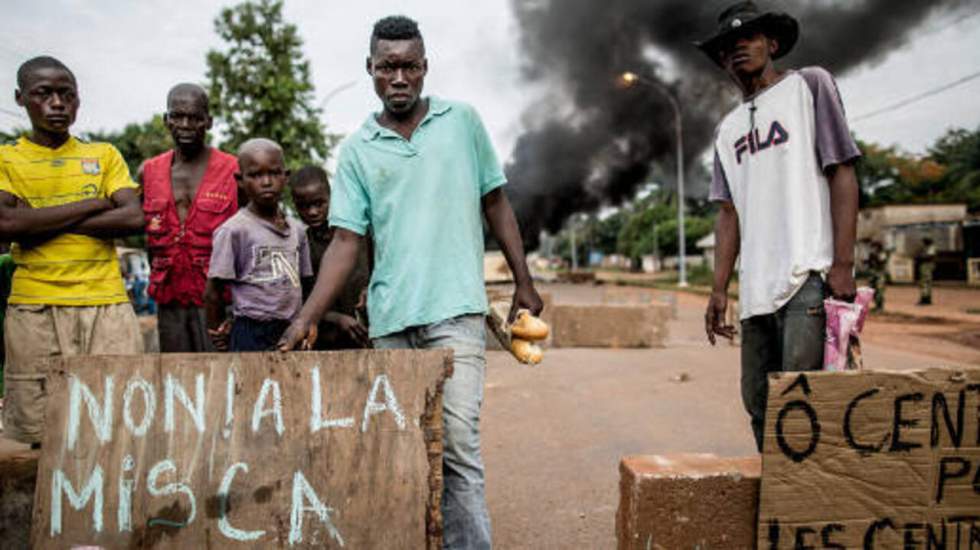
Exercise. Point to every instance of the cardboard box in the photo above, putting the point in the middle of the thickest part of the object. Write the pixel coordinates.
(867, 459)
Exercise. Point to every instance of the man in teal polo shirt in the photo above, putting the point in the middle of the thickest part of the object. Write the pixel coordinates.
(417, 176)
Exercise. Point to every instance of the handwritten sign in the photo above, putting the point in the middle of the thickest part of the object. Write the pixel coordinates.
(872, 460)
(303, 450)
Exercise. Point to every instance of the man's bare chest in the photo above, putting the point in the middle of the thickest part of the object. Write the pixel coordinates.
(185, 182)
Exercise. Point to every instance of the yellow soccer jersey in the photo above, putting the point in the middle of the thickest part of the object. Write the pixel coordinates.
(70, 269)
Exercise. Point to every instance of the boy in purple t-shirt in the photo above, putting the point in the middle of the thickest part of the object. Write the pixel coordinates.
(259, 255)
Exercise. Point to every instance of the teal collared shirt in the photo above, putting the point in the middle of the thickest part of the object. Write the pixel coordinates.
(420, 199)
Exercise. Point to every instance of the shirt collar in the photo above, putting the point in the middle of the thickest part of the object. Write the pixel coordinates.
(372, 130)
(26, 143)
(284, 232)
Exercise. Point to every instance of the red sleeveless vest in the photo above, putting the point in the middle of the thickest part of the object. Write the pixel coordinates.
(181, 253)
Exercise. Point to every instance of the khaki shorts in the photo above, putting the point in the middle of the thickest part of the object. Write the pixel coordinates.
(37, 331)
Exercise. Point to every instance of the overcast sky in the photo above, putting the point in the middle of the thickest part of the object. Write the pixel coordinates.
(126, 54)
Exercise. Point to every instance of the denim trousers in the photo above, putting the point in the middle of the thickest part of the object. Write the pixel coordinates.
(249, 334)
(791, 339)
(466, 522)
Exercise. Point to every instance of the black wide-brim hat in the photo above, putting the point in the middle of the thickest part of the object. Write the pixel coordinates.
(743, 17)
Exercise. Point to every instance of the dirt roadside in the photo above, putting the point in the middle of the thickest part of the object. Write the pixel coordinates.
(553, 435)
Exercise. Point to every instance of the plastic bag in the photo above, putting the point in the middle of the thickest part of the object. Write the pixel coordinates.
(845, 321)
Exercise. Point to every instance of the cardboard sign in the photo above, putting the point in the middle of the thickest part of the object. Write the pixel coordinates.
(261, 450)
(872, 460)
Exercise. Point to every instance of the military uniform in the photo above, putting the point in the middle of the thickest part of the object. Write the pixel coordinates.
(927, 265)
(878, 268)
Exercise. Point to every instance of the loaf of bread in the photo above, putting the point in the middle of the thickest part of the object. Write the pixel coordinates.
(529, 327)
(526, 352)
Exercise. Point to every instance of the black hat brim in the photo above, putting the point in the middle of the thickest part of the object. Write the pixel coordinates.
(780, 26)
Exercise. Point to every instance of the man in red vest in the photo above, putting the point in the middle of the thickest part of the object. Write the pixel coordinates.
(187, 193)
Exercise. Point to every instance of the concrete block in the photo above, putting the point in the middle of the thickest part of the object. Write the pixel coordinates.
(609, 326)
(495, 268)
(632, 295)
(577, 277)
(18, 476)
(687, 501)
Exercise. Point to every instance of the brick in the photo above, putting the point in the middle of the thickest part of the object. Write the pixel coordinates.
(687, 501)
(18, 476)
(609, 326)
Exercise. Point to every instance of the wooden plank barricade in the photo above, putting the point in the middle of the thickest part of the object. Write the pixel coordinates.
(264, 450)
(872, 460)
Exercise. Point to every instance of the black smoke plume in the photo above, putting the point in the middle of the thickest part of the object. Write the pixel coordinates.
(591, 142)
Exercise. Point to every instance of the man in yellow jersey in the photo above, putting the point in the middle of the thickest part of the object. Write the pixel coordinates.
(62, 201)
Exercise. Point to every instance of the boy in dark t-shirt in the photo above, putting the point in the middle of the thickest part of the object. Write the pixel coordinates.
(260, 255)
(345, 326)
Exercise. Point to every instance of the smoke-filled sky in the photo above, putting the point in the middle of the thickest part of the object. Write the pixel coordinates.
(599, 144)
(527, 68)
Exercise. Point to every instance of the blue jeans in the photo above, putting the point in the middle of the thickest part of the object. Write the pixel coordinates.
(253, 335)
(791, 339)
(466, 523)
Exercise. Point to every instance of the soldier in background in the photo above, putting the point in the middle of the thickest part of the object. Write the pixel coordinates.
(927, 264)
(878, 268)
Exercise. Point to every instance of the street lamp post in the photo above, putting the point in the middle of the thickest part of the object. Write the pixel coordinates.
(630, 79)
(571, 229)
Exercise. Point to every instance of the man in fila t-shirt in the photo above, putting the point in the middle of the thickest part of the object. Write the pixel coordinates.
(784, 178)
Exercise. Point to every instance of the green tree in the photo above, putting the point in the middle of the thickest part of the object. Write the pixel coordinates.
(563, 245)
(137, 141)
(878, 176)
(13, 135)
(950, 172)
(652, 227)
(637, 236)
(605, 232)
(591, 235)
(959, 152)
(260, 83)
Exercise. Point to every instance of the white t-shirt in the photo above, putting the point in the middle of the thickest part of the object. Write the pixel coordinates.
(771, 153)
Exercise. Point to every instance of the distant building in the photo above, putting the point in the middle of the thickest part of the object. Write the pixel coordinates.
(613, 261)
(971, 248)
(651, 264)
(901, 228)
(706, 245)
